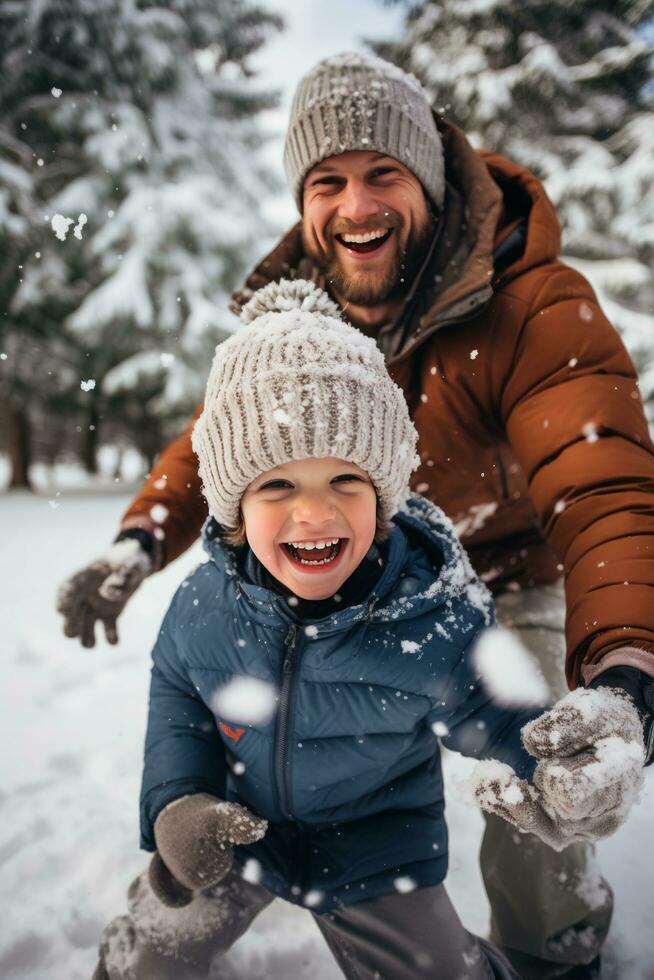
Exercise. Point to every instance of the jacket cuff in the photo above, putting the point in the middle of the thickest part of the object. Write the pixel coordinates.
(142, 522)
(642, 660)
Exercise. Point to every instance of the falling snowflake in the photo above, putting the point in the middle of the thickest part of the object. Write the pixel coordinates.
(590, 432)
(87, 385)
(474, 354)
(252, 871)
(60, 226)
(404, 884)
(507, 670)
(440, 729)
(81, 221)
(245, 700)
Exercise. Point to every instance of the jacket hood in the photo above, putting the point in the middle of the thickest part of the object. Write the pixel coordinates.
(424, 567)
(526, 204)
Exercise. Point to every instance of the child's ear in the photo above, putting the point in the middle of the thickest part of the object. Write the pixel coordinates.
(241, 527)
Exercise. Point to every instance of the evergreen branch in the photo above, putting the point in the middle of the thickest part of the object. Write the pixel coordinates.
(18, 147)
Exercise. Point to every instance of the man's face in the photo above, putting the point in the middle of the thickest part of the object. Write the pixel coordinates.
(327, 505)
(365, 195)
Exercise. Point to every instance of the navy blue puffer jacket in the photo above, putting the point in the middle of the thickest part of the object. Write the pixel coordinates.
(347, 770)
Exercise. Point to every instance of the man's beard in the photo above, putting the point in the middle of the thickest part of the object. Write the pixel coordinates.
(371, 287)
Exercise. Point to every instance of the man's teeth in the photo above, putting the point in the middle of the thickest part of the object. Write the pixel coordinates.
(369, 236)
(309, 545)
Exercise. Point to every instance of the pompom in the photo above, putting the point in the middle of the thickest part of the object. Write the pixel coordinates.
(289, 294)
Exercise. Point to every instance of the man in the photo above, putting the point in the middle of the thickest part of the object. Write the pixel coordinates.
(532, 434)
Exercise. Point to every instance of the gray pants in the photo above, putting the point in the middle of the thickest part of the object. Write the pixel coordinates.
(395, 937)
(549, 910)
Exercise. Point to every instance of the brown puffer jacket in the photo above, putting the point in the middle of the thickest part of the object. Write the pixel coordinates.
(532, 432)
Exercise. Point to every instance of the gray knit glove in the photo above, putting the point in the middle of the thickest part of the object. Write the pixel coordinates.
(100, 591)
(195, 837)
(590, 770)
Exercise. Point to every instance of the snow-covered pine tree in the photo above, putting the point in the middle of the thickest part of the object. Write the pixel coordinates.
(142, 117)
(565, 87)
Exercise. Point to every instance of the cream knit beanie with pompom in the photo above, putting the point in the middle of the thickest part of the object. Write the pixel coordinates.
(297, 381)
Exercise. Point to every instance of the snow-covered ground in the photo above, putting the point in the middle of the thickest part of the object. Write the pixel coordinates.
(72, 730)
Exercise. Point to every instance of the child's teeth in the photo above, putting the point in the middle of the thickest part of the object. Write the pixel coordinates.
(310, 545)
(314, 545)
(322, 561)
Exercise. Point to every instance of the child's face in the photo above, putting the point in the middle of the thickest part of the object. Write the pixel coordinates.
(311, 501)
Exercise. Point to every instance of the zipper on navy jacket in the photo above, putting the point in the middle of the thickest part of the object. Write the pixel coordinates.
(282, 760)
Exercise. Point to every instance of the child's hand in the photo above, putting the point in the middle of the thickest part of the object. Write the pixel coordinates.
(195, 837)
(167, 889)
(590, 770)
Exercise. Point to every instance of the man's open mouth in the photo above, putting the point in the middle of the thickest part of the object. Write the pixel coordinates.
(368, 241)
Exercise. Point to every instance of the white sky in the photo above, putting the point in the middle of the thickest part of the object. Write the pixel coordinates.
(314, 29)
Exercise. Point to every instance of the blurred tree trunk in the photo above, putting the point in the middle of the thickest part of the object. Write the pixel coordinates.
(151, 440)
(20, 448)
(118, 465)
(91, 436)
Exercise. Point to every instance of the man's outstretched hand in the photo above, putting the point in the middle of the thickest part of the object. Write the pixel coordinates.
(100, 590)
(590, 755)
(195, 838)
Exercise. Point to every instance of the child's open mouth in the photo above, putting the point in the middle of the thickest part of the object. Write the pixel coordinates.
(314, 554)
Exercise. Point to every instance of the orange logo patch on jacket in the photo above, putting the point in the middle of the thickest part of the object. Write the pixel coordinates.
(233, 733)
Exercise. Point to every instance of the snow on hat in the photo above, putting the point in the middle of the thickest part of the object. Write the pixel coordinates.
(297, 381)
(361, 102)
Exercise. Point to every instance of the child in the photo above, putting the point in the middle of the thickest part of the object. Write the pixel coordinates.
(328, 791)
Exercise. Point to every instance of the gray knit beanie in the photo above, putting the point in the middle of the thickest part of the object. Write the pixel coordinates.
(295, 382)
(360, 102)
